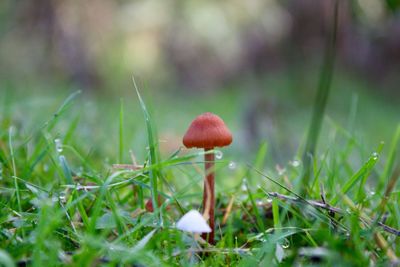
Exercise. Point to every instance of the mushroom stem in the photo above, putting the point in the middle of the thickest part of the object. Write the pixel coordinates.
(208, 195)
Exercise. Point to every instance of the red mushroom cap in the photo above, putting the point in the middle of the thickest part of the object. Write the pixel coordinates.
(207, 131)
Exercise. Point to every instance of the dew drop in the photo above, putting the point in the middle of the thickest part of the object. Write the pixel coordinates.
(58, 143)
(285, 243)
(295, 163)
(232, 165)
(218, 154)
(62, 197)
(281, 171)
(375, 155)
(244, 184)
(372, 193)
(244, 187)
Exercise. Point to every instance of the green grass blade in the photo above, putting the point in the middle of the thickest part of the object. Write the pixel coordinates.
(66, 169)
(259, 220)
(5, 259)
(394, 147)
(152, 150)
(52, 122)
(14, 168)
(361, 174)
(321, 100)
(121, 132)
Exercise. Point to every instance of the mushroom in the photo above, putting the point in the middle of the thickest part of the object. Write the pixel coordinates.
(193, 222)
(208, 131)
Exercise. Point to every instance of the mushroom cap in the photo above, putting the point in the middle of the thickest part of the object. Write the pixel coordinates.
(193, 222)
(207, 131)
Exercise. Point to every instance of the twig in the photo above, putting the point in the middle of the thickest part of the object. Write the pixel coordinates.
(317, 204)
(127, 166)
(215, 250)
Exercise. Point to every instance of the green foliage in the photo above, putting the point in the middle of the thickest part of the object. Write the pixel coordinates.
(67, 205)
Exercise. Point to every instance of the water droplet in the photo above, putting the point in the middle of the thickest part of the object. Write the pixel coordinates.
(58, 143)
(232, 165)
(45, 168)
(62, 197)
(244, 185)
(281, 171)
(295, 163)
(372, 193)
(218, 154)
(285, 243)
(375, 155)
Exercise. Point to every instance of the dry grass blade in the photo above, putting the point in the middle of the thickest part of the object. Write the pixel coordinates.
(228, 210)
(364, 218)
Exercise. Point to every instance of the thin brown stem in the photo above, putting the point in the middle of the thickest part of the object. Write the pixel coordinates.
(332, 209)
(208, 195)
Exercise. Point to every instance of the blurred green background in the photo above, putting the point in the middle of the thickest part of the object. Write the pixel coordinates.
(255, 63)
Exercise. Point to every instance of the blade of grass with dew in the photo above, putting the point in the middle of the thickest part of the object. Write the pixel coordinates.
(42, 146)
(359, 175)
(152, 151)
(361, 189)
(321, 100)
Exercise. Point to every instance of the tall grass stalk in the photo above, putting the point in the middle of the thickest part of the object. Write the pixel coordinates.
(324, 86)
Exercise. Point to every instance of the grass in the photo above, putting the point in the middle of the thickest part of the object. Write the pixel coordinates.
(65, 204)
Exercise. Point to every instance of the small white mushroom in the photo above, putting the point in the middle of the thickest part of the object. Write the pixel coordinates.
(193, 222)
